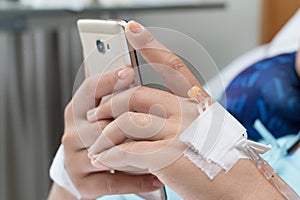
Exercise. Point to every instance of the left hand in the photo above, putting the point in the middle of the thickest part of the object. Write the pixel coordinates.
(143, 136)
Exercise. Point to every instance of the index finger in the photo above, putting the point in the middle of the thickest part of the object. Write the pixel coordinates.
(98, 86)
(138, 99)
(173, 70)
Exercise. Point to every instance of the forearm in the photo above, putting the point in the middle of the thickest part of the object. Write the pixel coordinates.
(59, 193)
(243, 181)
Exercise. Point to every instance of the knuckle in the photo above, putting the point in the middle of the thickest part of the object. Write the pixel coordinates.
(113, 78)
(149, 41)
(138, 95)
(70, 139)
(66, 138)
(175, 62)
(68, 112)
(109, 78)
(126, 149)
(126, 122)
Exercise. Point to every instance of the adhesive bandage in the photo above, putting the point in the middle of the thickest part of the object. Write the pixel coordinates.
(215, 138)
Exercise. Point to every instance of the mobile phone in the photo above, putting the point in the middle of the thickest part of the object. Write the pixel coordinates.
(105, 47)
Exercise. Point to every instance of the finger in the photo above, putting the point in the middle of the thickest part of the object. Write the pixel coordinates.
(99, 184)
(139, 99)
(172, 69)
(85, 166)
(133, 126)
(98, 86)
(80, 137)
(92, 132)
(144, 155)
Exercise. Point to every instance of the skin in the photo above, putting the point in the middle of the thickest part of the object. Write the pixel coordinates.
(90, 181)
(113, 149)
(93, 182)
(90, 175)
(298, 63)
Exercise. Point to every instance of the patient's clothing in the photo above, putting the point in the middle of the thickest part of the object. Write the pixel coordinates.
(268, 90)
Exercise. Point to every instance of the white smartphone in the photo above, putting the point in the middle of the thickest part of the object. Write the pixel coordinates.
(105, 47)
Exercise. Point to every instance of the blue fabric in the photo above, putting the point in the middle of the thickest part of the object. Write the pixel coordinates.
(287, 166)
(268, 90)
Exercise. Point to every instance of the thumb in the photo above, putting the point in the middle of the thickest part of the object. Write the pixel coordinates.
(173, 70)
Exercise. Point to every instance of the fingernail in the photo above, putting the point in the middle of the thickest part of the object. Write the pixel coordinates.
(124, 72)
(156, 183)
(90, 153)
(91, 115)
(90, 156)
(135, 27)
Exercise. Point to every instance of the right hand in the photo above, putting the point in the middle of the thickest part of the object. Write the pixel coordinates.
(80, 134)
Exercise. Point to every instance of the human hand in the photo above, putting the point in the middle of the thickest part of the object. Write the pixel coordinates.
(152, 117)
(143, 136)
(79, 134)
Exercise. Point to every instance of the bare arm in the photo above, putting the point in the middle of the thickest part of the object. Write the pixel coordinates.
(243, 181)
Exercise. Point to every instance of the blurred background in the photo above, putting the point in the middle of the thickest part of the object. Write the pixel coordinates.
(40, 54)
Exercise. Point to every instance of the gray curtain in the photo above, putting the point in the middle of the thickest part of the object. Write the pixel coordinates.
(37, 69)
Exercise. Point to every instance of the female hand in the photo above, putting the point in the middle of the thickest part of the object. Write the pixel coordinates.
(147, 114)
(143, 136)
(79, 134)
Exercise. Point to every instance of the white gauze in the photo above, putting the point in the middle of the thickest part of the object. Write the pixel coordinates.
(59, 174)
(214, 140)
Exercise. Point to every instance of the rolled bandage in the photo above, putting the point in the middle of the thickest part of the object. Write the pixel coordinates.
(215, 138)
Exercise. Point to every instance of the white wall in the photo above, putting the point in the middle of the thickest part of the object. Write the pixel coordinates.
(225, 34)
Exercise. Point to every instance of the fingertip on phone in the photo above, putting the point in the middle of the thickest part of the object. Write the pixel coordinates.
(135, 27)
(124, 73)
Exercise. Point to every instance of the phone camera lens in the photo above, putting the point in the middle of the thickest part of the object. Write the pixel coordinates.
(100, 46)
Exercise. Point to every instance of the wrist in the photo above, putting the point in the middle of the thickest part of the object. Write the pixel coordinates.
(188, 181)
(58, 192)
(243, 182)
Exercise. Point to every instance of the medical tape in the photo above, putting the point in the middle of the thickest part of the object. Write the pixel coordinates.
(214, 141)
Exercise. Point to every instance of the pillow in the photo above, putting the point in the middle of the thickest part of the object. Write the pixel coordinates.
(288, 38)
